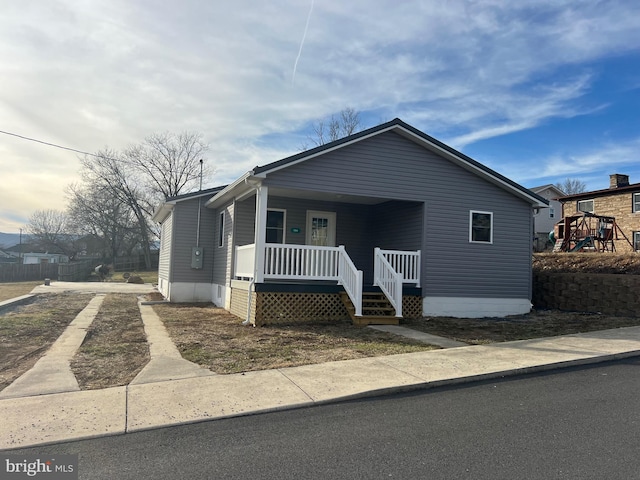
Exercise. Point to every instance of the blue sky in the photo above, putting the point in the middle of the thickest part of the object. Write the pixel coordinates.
(537, 90)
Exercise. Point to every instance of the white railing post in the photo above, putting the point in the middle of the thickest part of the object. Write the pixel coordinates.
(389, 280)
(351, 279)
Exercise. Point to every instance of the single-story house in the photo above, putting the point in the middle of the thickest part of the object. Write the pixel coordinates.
(388, 222)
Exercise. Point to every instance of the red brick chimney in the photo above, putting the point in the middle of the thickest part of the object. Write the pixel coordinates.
(617, 180)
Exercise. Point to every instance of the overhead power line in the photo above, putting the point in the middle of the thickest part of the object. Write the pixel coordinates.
(56, 146)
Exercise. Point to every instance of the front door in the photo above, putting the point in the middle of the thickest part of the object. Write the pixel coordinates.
(321, 228)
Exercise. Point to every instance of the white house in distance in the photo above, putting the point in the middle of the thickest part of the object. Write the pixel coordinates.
(544, 219)
(36, 258)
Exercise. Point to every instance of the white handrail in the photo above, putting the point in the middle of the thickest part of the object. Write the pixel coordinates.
(407, 264)
(350, 279)
(389, 281)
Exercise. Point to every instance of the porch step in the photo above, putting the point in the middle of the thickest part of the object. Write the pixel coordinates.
(376, 310)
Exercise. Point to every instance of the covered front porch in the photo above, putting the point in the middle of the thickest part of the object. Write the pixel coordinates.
(318, 244)
(321, 267)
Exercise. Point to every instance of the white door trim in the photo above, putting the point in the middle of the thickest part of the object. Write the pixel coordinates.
(331, 226)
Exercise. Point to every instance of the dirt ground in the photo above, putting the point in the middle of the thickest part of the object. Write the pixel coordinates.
(627, 264)
(115, 348)
(214, 338)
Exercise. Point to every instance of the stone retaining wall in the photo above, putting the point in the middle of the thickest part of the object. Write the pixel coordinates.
(588, 292)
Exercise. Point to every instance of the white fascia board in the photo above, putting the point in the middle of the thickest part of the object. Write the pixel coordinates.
(162, 212)
(235, 189)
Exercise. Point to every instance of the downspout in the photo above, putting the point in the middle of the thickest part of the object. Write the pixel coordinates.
(247, 321)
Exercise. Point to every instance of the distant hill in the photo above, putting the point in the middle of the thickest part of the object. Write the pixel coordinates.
(10, 239)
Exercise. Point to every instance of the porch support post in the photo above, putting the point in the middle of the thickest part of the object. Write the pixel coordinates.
(260, 232)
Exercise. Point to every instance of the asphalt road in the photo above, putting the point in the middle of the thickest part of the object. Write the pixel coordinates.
(578, 423)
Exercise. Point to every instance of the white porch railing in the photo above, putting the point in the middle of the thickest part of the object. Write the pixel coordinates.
(389, 281)
(301, 262)
(407, 264)
(304, 262)
(393, 268)
(350, 279)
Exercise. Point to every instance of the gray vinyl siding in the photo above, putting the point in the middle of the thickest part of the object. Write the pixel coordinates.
(185, 224)
(223, 255)
(166, 234)
(389, 166)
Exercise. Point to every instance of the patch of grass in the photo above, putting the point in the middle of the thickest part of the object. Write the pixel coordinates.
(537, 324)
(16, 289)
(216, 339)
(115, 348)
(27, 331)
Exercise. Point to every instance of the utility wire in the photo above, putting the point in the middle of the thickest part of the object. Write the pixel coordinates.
(57, 146)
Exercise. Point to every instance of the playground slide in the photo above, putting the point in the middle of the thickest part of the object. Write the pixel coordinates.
(581, 244)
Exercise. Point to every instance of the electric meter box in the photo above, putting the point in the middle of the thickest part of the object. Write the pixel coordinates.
(196, 257)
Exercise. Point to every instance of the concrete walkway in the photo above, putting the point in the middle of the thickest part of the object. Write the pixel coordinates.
(166, 362)
(420, 336)
(52, 372)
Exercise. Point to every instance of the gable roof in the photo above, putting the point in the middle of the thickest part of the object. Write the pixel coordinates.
(398, 126)
(165, 208)
(549, 186)
(246, 183)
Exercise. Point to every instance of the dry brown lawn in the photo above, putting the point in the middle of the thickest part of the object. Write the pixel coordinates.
(115, 348)
(214, 338)
(16, 289)
(27, 331)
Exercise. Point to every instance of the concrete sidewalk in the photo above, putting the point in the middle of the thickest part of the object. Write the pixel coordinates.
(45, 419)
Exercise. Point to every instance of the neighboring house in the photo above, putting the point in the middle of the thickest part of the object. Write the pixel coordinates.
(621, 201)
(7, 258)
(544, 219)
(283, 241)
(35, 258)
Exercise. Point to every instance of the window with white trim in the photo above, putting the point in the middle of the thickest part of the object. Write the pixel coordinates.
(480, 227)
(636, 241)
(636, 203)
(552, 212)
(585, 206)
(276, 225)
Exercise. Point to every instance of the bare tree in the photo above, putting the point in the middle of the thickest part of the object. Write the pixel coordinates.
(336, 127)
(571, 186)
(107, 170)
(169, 163)
(107, 223)
(52, 230)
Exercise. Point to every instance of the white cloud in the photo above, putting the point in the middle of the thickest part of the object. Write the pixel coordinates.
(111, 72)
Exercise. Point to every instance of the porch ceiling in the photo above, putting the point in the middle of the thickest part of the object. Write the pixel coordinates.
(324, 196)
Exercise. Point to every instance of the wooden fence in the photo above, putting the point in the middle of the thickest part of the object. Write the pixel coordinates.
(64, 272)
